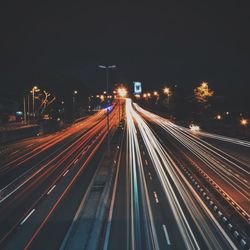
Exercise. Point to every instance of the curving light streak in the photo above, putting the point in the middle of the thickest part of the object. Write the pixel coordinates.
(166, 169)
(231, 175)
(138, 192)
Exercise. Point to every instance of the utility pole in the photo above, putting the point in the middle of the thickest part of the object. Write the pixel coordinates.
(24, 111)
(28, 108)
(107, 93)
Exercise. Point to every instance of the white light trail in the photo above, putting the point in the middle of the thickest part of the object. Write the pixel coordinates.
(167, 171)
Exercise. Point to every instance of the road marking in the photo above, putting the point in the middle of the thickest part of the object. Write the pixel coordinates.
(76, 161)
(65, 172)
(26, 218)
(30, 145)
(150, 176)
(166, 234)
(156, 197)
(51, 190)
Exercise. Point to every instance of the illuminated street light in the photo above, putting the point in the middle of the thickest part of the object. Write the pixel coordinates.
(155, 93)
(34, 89)
(148, 94)
(102, 97)
(244, 122)
(167, 92)
(75, 92)
(122, 92)
(218, 117)
(144, 95)
(227, 113)
(107, 68)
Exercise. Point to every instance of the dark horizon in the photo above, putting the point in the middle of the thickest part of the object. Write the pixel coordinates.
(62, 45)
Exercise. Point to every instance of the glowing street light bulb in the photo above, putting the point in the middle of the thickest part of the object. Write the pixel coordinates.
(102, 97)
(166, 90)
(244, 122)
(75, 92)
(218, 117)
(148, 94)
(155, 93)
(122, 92)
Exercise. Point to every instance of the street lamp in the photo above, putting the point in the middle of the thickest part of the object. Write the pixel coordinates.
(122, 92)
(34, 89)
(167, 92)
(75, 92)
(244, 122)
(107, 68)
(218, 117)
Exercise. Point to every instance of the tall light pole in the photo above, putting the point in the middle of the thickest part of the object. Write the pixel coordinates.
(122, 92)
(24, 111)
(107, 68)
(28, 108)
(74, 102)
(34, 89)
(167, 91)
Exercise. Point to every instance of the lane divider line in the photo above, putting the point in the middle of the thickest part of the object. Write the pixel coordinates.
(26, 218)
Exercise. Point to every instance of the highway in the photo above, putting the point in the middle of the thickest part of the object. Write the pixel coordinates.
(173, 188)
(43, 180)
(160, 206)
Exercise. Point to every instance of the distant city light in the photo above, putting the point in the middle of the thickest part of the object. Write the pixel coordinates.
(218, 117)
(244, 122)
(122, 92)
(166, 91)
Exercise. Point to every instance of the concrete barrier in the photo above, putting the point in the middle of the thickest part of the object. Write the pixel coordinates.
(18, 133)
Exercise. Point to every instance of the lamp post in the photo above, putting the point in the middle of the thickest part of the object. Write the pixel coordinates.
(24, 111)
(107, 68)
(122, 92)
(34, 89)
(167, 92)
(75, 92)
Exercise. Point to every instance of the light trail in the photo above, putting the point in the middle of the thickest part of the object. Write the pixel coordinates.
(218, 165)
(137, 184)
(45, 179)
(166, 169)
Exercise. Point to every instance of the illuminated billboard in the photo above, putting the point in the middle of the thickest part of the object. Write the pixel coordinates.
(137, 88)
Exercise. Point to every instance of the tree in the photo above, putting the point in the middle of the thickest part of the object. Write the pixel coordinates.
(202, 93)
(45, 100)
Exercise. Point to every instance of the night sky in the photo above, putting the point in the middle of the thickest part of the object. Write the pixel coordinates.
(61, 44)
